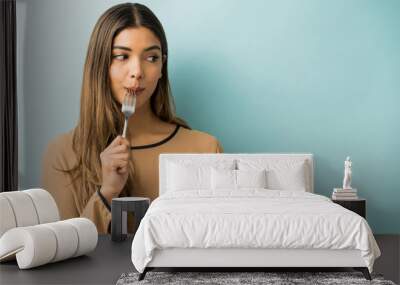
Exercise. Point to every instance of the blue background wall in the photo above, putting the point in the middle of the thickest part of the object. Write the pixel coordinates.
(262, 76)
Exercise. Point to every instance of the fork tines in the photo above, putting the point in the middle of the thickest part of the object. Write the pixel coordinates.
(128, 106)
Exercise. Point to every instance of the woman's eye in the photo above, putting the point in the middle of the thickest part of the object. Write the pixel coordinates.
(120, 56)
(153, 58)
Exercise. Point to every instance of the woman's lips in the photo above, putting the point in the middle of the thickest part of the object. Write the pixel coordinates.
(139, 91)
(136, 91)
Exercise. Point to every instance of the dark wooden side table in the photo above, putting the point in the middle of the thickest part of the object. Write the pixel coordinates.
(119, 209)
(358, 206)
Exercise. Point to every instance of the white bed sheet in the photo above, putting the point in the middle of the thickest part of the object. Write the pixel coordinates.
(250, 218)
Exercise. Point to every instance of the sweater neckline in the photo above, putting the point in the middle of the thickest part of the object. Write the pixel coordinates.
(163, 141)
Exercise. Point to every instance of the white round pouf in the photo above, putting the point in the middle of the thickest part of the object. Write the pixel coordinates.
(45, 205)
(87, 234)
(23, 208)
(67, 239)
(33, 246)
(31, 232)
(40, 244)
(7, 218)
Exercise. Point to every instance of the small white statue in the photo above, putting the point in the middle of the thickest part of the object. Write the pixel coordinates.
(347, 174)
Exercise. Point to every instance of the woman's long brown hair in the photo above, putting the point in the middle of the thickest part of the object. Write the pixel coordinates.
(100, 119)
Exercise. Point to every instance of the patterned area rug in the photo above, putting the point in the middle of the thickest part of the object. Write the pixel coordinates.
(270, 278)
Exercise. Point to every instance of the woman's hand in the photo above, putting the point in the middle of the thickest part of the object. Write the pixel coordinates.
(114, 166)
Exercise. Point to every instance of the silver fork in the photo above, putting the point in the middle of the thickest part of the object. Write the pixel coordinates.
(128, 108)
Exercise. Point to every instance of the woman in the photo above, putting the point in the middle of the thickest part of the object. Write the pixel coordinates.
(87, 167)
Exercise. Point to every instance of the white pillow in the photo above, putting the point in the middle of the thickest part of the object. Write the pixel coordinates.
(223, 179)
(182, 177)
(281, 174)
(251, 178)
(188, 174)
(236, 179)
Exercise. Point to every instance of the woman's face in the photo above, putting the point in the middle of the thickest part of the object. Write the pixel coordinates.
(136, 64)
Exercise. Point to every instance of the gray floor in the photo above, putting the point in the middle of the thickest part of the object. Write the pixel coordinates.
(389, 262)
(110, 260)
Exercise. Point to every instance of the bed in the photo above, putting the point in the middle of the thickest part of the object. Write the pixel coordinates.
(245, 211)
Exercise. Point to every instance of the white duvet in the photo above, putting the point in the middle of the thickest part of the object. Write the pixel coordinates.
(251, 218)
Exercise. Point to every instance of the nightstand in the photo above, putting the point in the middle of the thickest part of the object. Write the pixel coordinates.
(119, 208)
(358, 206)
